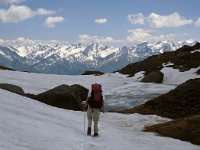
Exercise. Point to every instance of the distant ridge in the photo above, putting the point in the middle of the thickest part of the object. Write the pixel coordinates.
(77, 58)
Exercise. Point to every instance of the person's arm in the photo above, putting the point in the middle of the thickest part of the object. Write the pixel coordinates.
(88, 97)
(87, 100)
(102, 107)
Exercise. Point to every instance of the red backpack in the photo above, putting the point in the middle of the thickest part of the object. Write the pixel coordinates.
(96, 96)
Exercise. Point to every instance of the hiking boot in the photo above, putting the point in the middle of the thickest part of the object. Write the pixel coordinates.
(96, 134)
(89, 131)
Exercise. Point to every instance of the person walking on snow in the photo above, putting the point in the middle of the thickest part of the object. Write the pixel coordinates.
(95, 105)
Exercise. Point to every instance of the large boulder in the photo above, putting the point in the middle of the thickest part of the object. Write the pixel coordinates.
(62, 96)
(12, 88)
(181, 102)
(153, 77)
(81, 91)
(186, 129)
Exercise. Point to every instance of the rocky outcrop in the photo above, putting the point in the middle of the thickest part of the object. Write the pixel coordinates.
(186, 129)
(97, 73)
(5, 68)
(181, 102)
(12, 88)
(153, 77)
(182, 59)
(63, 96)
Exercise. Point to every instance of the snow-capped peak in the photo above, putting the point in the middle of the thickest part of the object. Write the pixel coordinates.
(76, 58)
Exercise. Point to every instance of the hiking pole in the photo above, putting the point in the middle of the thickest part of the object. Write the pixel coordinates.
(84, 119)
(84, 103)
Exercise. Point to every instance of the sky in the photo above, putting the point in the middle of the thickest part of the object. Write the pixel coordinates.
(108, 22)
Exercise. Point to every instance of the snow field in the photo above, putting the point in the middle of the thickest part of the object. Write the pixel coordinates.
(29, 125)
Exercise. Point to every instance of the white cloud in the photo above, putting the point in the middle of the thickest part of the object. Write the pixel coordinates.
(10, 1)
(16, 14)
(51, 21)
(18, 41)
(96, 39)
(197, 23)
(22, 40)
(2, 41)
(171, 20)
(159, 21)
(140, 35)
(42, 11)
(101, 20)
(136, 18)
(26, 42)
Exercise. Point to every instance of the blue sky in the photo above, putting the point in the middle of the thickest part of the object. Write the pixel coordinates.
(109, 22)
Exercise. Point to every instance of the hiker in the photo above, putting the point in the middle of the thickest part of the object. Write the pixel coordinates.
(95, 105)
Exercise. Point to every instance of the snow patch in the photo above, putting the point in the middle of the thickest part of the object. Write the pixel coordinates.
(195, 51)
(138, 76)
(2, 53)
(174, 76)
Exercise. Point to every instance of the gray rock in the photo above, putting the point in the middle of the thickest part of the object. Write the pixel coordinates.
(81, 91)
(12, 88)
(153, 77)
(62, 96)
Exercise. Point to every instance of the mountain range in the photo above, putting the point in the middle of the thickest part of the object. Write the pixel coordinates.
(77, 58)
